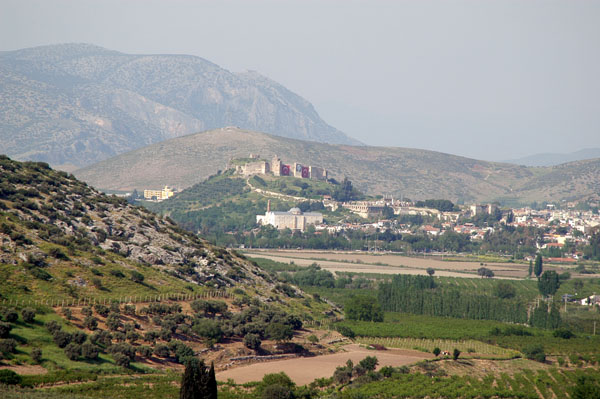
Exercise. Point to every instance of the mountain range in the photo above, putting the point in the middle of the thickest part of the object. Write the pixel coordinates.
(551, 159)
(72, 105)
(412, 173)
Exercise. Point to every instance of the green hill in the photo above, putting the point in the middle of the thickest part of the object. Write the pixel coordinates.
(229, 203)
(412, 173)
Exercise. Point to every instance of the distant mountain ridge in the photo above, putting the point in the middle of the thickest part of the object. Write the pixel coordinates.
(78, 103)
(412, 173)
(552, 159)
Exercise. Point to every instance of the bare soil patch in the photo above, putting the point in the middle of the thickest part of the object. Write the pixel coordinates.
(26, 369)
(306, 369)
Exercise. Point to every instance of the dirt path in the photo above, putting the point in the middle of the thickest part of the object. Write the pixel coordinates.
(306, 370)
(26, 369)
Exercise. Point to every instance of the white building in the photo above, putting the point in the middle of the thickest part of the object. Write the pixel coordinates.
(293, 219)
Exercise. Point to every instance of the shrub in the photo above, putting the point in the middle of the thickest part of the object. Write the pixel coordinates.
(563, 333)
(9, 377)
(252, 341)
(535, 352)
(8, 345)
(36, 355)
(313, 338)
(86, 311)
(124, 349)
(10, 315)
(113, 321)
(129, 310)
(90, 323)
(5, 329)
(40, 274)
(121, 360)
(79, 337)
(52, 326)
(162, 350)
(279, 332)
(455, 354)
(132, 336)
(436, 351)
(369, 363)
(68, 314)
(73, 351)
(137, 277)
(28, 315)
(90, 351)
(346, 331)
(145, 351)
(117, 273)
(209, 329)
(102, 310)
(62, 338)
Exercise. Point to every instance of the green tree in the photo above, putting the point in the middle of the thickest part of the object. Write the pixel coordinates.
(537, 269)
(548, 283)
(430, 271)
(198, 381)
(363, 308)
(504, 290)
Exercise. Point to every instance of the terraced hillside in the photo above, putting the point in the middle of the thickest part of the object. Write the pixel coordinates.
(412, 173)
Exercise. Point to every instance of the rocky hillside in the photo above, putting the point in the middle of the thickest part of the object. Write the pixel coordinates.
(61, 238)
(76, 104)
(416, 174)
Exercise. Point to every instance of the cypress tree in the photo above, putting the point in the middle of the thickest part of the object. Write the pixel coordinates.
(530, 268)
(537, 270)
(212, 383)
(198, 382)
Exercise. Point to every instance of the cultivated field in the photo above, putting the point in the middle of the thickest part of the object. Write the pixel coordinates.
(305, 370)
(389, 263)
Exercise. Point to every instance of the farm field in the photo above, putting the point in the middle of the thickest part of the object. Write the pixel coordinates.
(343, 266)
(360, 262)
(305, 370)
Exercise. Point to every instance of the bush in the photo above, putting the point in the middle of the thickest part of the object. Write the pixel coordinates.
(369, 363)
(312, 339)
(62, 338)
(137, 277)
(455, 354)
(53, 326)
(36, 355)
(162, 351)
(252, 341)
(535, 352)
(5, 329)
(346, 331)
(209, 329)
(436, 351)
(28, 315)
(121, 360)
(9, 377)
(90, 323)
(90, 351)
(68, 314)
(86, 311)
(563, 333)
(73, 351)
(10, 315)
(505, 290)
(102, 310)
(144, 351)
(8, 345)
(279, 332)
(79, 337)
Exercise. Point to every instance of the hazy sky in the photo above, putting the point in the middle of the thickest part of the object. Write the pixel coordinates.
(485, 79)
